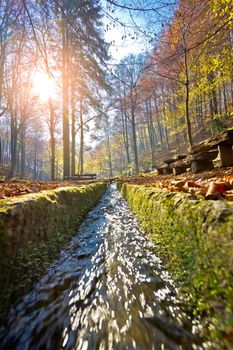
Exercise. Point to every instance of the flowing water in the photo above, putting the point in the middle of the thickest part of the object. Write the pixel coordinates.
(108, 290)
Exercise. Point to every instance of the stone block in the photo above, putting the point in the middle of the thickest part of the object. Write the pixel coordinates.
(201, 165)
(225, 155)
(177, 170)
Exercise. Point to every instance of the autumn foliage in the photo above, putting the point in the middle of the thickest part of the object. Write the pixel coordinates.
(178, 94)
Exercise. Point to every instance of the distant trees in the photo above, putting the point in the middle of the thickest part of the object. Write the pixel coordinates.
(129, 72)
(177, 95)
(182, 46)
(63, 41)
(184, 91)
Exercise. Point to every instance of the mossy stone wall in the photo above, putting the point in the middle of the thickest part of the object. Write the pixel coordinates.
(33, 228)
(194, 238)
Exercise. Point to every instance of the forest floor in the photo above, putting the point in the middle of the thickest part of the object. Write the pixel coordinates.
(215, 184)
(18, 188)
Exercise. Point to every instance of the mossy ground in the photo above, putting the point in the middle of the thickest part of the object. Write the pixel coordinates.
(194, 238)
(33, 229)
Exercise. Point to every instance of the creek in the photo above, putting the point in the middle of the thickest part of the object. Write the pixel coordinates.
(107, 290)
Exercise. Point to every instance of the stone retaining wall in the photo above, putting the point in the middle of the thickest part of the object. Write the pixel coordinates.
(33, 228)
(194, 238)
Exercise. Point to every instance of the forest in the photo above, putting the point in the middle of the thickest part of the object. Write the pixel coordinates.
(67, 108)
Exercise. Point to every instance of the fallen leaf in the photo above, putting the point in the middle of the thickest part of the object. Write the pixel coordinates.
(190, 184)
(215, 190)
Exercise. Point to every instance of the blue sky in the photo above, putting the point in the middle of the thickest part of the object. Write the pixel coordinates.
(123, 38)
(129, 37)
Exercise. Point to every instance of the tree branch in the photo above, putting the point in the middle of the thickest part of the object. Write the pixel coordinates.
(150, 9)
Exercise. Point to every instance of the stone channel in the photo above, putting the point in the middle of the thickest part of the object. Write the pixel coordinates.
(107, 290)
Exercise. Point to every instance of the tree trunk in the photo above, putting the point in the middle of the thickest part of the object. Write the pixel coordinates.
(22, 148)
(205, 103)
(135, 148)
(109, 155)
(13, 146)
(160, 133)
(35, 164)
(201, 113)
(225, 98)
(125, 129)
(52, 139)
(73, 131)
(125, 136)
(215, 102)
(152, 135)
(65, 92)
(187, 114)
(220, 101)
(0, 151)
(166, 137)
(141, 138)
(213, 97)
(81, 152)
(2, 63)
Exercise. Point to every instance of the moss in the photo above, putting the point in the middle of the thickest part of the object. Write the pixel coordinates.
(194, 238)
(33, 228)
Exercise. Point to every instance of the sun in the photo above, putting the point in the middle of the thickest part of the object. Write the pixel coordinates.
(43, 86)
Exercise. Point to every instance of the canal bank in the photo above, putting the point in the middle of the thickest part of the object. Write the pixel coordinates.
(33, 229)
(194, 239)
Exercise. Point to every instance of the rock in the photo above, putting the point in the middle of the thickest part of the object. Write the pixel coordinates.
(208, 144)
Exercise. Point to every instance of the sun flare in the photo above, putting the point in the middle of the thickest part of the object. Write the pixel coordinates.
(44, 86)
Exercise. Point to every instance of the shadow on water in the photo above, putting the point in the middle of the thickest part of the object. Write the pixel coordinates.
(108, 290)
